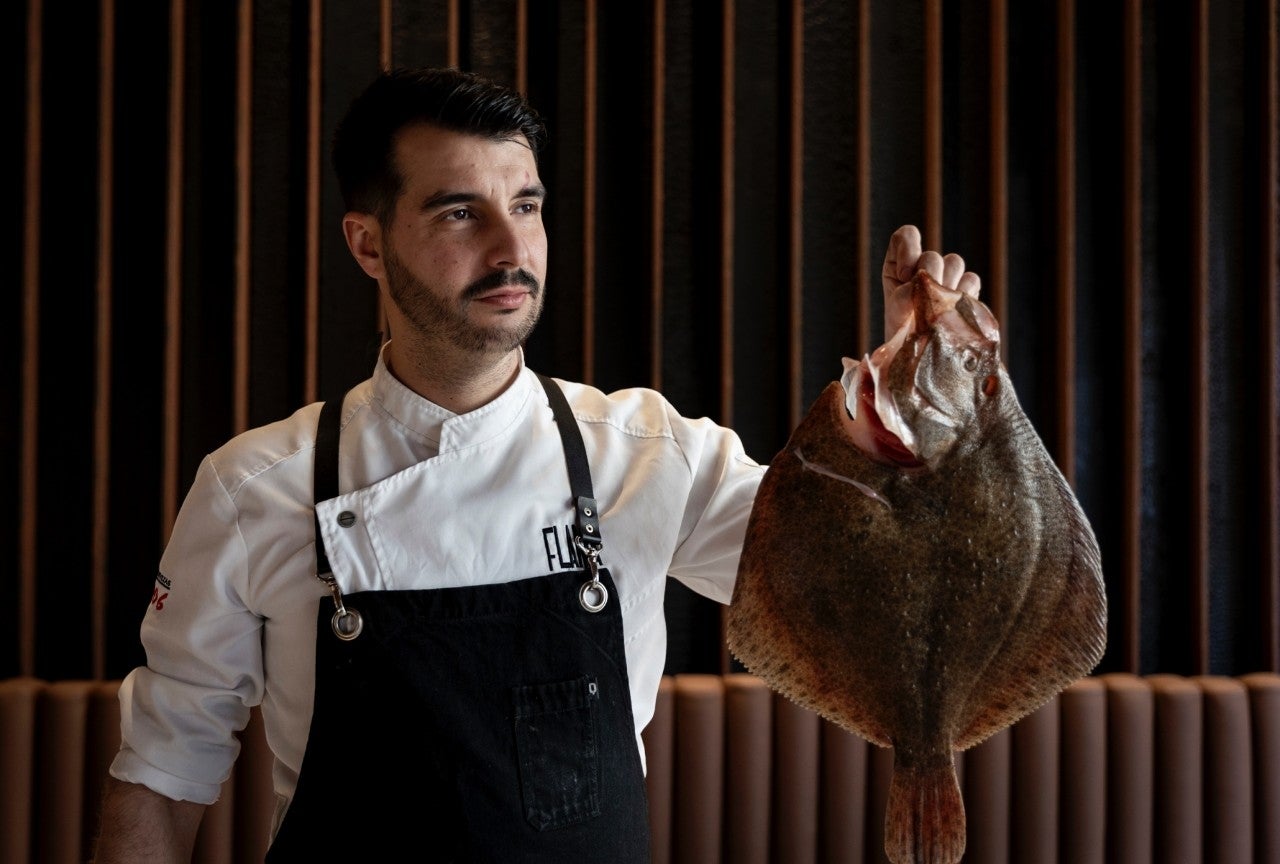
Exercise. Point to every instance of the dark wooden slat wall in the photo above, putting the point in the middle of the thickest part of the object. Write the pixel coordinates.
(724, 177)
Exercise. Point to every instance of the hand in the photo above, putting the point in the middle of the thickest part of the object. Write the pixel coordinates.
(903, 260)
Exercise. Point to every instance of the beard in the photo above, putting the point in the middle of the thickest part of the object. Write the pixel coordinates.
(431, 313)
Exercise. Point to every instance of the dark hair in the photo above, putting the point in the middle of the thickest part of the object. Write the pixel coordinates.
(448, 98)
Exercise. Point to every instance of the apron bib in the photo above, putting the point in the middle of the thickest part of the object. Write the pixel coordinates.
(481, 724)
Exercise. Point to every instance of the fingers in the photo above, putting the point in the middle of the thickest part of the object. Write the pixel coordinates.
(901, 257)
(905, 257)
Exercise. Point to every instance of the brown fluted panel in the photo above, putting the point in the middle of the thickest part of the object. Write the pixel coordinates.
(997, 280)
(30, 352)
(215, 840)
(796, 782)
(62, 710)
(100, 748)
(986, 799)
(795, 221)
(1228, 772)
(932, 229)
(1065, 449)
(243, 202)
(1034, 814)
(880, 774)
(254, 794)
(1269, 409)
(1198, 398)
(173, 269)
(1264, 713)
(699, 762)
(1131, 536)
(749, 716)
(1179, 771)
(843, 818)
(311, 374)
(659, 749)
(1083, 818)
(102, 358)
(657, 167)
(17, 764)
(1131, 768)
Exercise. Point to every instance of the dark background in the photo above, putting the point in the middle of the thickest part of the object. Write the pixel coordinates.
(724, 177)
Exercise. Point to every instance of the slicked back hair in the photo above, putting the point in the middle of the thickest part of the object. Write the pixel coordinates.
(363, 145)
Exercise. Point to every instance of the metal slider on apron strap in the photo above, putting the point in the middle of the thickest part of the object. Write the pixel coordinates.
(346, 623)
(586, 536)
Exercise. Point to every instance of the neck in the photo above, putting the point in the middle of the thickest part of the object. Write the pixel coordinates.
(457, 383)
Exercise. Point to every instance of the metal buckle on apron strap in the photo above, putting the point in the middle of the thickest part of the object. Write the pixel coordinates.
(346, 623)
(586, 536)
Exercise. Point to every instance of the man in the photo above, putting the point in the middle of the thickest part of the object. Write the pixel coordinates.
(469, 675)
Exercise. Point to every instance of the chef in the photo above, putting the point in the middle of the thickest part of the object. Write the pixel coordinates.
(444, 587)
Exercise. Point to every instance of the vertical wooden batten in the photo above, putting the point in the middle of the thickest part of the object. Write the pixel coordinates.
(102, 378)
(1066, 243)
(30, 349)
(997, 277)
(1198, 397)
(657, 203)
(311, 376)
(243, 206)
(173, 269)
(522, 46)
(1269, 252)
(590, 117)
(864, 259)
(1131, 563)
(795, 226)
(932, 229)
(385, 54)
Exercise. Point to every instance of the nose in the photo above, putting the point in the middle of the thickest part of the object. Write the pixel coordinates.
(509, 244)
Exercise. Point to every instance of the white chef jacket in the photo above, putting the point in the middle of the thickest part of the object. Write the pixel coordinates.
(439, 500)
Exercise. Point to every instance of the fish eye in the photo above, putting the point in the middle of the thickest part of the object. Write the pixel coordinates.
(970, 362)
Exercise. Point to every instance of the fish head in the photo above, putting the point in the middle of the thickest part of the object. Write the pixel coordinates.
(922, 394)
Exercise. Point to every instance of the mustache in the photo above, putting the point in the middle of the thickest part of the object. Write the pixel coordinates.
(498, 279)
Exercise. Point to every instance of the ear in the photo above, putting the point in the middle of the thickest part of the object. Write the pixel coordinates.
(364, 239)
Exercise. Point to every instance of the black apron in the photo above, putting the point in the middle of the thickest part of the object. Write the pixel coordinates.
(484, 724)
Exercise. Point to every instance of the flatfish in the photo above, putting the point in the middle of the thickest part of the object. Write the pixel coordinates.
(916, 569)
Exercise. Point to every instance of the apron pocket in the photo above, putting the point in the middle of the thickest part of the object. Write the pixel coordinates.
(556, 746)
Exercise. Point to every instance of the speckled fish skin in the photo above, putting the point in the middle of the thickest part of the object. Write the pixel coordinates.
(924, 607)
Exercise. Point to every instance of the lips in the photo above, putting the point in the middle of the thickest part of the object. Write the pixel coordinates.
(505, 297)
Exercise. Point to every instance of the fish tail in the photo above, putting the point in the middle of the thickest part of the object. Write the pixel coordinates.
(924, 820)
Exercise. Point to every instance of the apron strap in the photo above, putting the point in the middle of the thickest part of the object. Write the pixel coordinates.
(587, 514)
(325, 471)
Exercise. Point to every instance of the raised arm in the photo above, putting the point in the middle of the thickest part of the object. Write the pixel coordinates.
(140, 826)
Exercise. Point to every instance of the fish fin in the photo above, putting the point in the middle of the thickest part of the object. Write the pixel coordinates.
(924, 821)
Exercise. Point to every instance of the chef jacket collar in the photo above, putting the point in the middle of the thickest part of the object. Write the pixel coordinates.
(450, 431)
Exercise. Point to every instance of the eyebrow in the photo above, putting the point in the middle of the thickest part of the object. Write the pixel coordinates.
(448, 199)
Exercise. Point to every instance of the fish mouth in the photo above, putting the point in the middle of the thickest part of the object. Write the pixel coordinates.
(875, 416)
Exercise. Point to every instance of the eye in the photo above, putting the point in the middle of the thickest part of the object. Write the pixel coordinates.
(459, 215)
(970, 362)
(528, 207)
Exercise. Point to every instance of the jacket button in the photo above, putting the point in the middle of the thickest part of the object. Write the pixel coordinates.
(346, 518)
